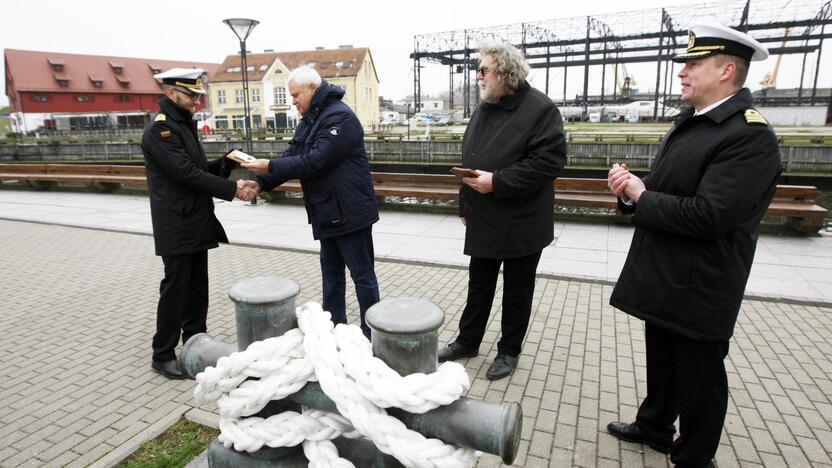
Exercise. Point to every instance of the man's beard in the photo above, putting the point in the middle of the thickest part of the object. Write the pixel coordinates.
(487, 94)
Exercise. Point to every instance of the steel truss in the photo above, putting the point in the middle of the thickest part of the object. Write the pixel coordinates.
(641, 36)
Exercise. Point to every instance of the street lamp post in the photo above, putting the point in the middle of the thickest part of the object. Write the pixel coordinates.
(242, 27)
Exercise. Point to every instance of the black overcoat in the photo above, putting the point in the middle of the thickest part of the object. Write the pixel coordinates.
(181, 184)
(696, 226)
(327, 154)
(520, 140)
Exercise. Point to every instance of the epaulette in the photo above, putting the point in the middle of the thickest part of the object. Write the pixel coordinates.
(160, 117)
(753, 116)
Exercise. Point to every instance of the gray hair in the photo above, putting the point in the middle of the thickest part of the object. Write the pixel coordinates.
(508, 61)
(303, 76)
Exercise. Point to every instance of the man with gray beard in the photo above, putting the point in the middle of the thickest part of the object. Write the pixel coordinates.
(516, 145)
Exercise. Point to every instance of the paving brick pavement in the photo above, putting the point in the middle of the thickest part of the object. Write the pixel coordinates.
(78, 315)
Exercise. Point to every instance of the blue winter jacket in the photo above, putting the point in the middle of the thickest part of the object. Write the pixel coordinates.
(327, 155)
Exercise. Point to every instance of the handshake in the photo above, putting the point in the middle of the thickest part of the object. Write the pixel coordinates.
(247, 189)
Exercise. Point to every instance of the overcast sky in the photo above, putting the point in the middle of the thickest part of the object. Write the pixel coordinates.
(194, 31)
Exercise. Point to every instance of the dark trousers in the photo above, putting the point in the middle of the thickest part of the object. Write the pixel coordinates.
(518, 288)
(354, 251)
(183, 303)
(685, 378)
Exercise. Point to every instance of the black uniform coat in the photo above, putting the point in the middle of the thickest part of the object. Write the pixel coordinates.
(182, 183)
(327, 155)
(697, 223)
(520, 140)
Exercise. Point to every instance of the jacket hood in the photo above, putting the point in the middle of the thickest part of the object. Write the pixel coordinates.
(324, 96)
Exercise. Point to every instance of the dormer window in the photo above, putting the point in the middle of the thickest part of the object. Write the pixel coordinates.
(117, 67)
(56, 63)
(97, 81)
(156, 69)
(61, 78)
(123, 80)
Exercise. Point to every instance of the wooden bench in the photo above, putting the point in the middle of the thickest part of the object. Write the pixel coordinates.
(101, 177)
(793, 205)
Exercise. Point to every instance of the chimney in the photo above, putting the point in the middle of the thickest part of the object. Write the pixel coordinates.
(345, 46)
(268, 51)
(319, 48)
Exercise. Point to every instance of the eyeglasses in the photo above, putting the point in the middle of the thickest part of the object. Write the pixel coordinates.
(482, 70)
(192, 97)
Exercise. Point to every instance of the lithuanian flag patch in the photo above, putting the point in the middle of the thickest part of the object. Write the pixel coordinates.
(165, 134)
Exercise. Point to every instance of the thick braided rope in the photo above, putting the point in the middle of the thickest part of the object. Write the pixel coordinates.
(283, 368)
(388, 433)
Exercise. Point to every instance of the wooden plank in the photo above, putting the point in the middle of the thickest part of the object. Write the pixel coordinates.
(22, 168)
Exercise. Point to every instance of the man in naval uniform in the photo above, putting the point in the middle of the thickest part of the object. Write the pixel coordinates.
(696, 217)
(181, 184)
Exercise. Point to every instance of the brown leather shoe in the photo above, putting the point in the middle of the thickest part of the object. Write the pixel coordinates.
(633, 433)
(169, 369)
(455, 351)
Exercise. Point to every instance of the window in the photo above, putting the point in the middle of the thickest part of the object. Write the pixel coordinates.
(238, 95)
(83, 98)
(255, 95)
(256, 121)
(250, 68)
(233, 69)
(97, 84)
(40, 97)
(124, 98)
(238, 121)
(280, 96)
(221, 98)
(264, 67)
(221, 121)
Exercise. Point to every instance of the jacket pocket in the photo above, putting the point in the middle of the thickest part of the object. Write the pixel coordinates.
(324, 210)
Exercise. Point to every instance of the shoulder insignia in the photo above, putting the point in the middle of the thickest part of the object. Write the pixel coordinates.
(753, 116)
(165, 134)
(160, 118)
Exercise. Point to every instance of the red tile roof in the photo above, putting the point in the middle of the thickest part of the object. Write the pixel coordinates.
(329, 63)
(37, 71)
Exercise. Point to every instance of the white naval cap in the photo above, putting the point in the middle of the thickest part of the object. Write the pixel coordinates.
(190, 79)
(708, 39)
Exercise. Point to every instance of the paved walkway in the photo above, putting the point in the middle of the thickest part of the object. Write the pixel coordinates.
(78, 314)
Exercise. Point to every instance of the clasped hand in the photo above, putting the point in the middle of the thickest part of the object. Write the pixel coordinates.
(247, 189)
(624, 184)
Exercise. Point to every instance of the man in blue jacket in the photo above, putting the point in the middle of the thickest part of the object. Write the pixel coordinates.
(327, 155)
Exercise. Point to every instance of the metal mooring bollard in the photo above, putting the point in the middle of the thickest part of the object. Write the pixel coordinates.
(404, 336)
(264, 308)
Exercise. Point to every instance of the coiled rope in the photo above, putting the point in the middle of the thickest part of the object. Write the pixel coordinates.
(361, 385)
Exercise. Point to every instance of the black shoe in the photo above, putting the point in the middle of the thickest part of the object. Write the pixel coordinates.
(455, 351)
(169, 369)
(502, 366)
(633, 433)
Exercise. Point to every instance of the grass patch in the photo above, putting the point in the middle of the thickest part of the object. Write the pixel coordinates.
(175, 448)
(5, 124)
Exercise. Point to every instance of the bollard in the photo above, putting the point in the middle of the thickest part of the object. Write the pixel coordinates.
(264, 307)
(405, 336)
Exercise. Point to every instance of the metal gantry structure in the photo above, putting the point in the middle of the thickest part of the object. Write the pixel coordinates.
(611, 41)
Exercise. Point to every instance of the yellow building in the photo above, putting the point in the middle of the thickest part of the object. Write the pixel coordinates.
(270, 103)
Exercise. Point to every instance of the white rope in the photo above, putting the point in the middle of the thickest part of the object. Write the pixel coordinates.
(360, 385)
